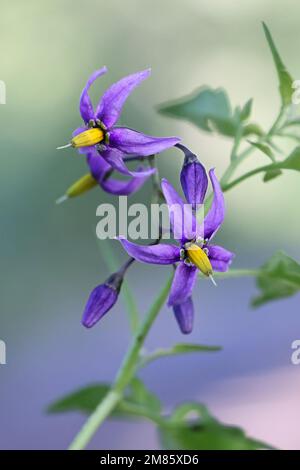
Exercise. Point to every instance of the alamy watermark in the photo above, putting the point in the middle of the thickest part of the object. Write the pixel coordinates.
(295, 356)
(2, 352)
(139, 221)
(2, 92)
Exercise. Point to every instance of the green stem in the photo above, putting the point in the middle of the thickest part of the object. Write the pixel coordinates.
(124, 376)
(232, 273)
(246, 176)
(112, 263)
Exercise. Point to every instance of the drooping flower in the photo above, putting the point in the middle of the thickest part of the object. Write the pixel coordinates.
(195, 252)
(106, 144)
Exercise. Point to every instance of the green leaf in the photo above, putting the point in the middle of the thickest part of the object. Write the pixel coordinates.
(203, 108)
(252, 129)
(246, 110)
(85, 399)
(271, 174)
(278, 278)
(210, 110)
(192, 427)
(181, 348)
(285, 79)
(88, 398)
(190, 348)
(264, 148)
(292, 162)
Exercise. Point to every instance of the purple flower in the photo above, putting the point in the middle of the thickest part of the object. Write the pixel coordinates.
(106, 144)
(195, 251)
(102, 299)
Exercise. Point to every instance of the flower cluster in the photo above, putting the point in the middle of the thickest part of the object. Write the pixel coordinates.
(106, 146)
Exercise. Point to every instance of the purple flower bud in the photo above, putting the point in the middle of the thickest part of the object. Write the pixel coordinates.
(102, 299)
(184, 314)
(193, 178)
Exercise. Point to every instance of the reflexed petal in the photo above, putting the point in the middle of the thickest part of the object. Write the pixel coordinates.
(184, 314)
(183, 284)
(136, 143)
(193, 179)
(100, 301)
(111, 103)
(153, 254)
(98, 166)
(216, 213)
(123, 188)
(115, 158)
(85, 105)
(183, 223)
(220, 258)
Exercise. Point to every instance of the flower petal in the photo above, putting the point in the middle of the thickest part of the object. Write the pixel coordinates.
(111, 103)
(193, 178)
(136, 143)
(183, 284)
(220, 258)
(183, 222)
(123, 188)
(100, 301)
(153, 254)
(115, 158)
(216, 213)
(184, 314)
(85, 105)
(98, 166)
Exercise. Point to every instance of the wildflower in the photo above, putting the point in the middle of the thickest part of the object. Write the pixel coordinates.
(103, 297)
(106, 144)
(195, 251)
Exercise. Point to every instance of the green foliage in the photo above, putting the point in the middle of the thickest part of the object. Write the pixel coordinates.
(285, 79)
(292, 162)
(210, 110)
(88, 398)
(192, 427)
(264, 148)
(181, 348)
(278, 278)
(85, 399)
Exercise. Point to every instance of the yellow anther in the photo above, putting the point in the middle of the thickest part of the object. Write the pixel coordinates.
(89, 137)
(199, 258)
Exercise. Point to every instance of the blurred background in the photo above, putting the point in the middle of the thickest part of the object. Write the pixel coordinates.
(51, 258)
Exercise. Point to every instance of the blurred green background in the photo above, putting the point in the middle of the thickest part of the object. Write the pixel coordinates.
(49, 254)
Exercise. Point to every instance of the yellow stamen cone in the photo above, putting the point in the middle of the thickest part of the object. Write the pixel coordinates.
(80, 186)
(87, 138)
(200, 259)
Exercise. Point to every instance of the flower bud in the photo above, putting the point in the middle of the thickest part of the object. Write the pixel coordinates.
(102, 299)
(184, 314)
(193, 178)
